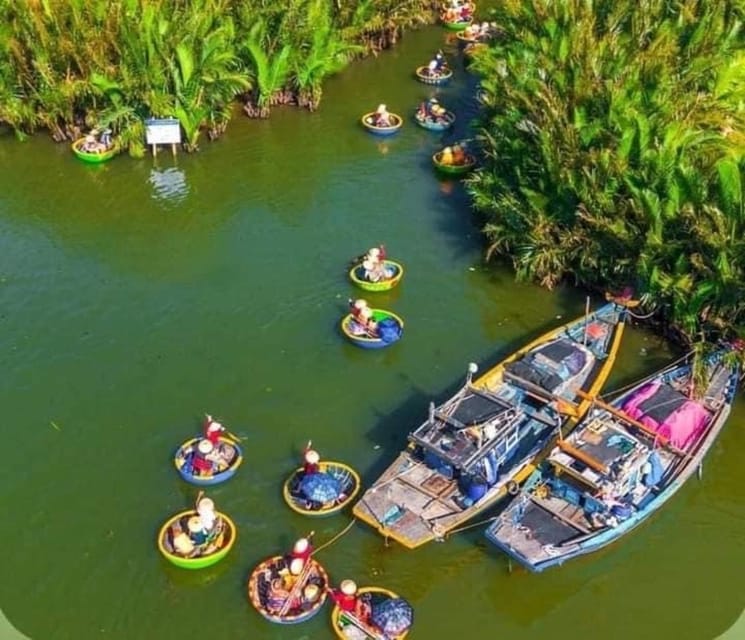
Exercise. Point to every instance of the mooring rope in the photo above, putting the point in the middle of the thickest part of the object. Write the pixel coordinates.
(470, 526)
(336, 537)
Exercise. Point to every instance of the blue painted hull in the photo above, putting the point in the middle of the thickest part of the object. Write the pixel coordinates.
(434, 126)
(207, 482)
(591, 542)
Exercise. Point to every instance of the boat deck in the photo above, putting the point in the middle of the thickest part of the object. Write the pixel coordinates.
(411, 502)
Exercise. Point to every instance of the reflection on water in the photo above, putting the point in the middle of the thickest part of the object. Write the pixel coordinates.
(169, 184)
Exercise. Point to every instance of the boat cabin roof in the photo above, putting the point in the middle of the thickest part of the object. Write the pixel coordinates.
(467, 427)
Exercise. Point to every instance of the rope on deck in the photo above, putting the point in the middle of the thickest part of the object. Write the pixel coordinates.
(470, 526)
(336, 537)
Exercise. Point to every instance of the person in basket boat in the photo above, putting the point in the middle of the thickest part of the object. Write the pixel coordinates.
(431, 110)
(453, 156)
(201, 531)
(284, 586)
(362, 319)
(311, 460)
(91, 145)
(437, 66)
(382, 118)
(203, 462)
(472, 32)
(213, 430)
(301, 550)
(375, 267)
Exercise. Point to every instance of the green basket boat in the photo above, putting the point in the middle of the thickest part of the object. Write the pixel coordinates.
(357, 275)
(457, 26)
(216, 550)
(91, 157)
(454, 169)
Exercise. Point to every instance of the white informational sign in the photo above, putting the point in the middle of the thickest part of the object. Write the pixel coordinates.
(162, 131)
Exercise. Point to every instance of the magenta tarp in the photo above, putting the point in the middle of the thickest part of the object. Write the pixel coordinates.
(682, 427)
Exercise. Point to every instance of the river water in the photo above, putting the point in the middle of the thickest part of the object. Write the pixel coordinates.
(138, 295)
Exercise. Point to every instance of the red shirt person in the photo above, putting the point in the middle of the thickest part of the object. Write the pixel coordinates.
(302, 549)
(311, 461)
(213, 430)
(346, 596)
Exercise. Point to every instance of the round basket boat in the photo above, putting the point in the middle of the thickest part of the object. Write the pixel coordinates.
(454, 169)
(367, 122)
(357, 275)
(424, 75)
(227, 455)
(350, 328)
(459, 25)
(432, 125)
(93, 157)
(176, 546)
(350, 627)
(273, 604)
(347, 482)
(465, 39)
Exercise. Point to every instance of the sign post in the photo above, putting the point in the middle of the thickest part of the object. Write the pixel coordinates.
(162, 131)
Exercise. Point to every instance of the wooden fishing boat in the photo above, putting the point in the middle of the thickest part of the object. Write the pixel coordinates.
(622, 463)
(93, 157)
(226, 458)
(424, 75)
(454, 169)
(349, 626)
(356, 335)
(368, 121)
(483, 441)
(293, 608)
(357, 275)
(441, 124)
(176, 546)
(348, 482)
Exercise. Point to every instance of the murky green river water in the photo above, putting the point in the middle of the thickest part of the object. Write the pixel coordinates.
(140, 294)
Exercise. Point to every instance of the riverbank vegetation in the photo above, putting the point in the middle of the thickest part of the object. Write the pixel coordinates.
(70, 65)
(614, 138)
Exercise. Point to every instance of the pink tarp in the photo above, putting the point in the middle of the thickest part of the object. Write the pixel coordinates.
(682, 427)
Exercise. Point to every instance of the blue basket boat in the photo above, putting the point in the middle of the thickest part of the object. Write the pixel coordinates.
(442, 124)
(227, 456)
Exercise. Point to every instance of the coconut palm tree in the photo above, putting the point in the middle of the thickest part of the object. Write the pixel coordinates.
(612, 153)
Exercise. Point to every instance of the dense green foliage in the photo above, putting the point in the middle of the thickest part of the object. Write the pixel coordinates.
(613, 135)
(68, 65)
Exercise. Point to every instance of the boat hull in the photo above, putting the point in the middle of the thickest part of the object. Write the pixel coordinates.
(340, 619)
(511, 535)
(365, 342)
(181, 461)
(454, 170)
(457, 26)
(395, 518)
(258, 600)
(200, 562)
(356, 275)
(430, 125)
(440, 79)
(348, 478)
(92, 158)
(367, 122)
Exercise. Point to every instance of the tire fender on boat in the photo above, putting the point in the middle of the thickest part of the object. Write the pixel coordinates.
(513, 488)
